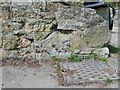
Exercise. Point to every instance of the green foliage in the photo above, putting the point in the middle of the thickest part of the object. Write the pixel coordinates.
(74, 58)
(97, 57)
(56, 58)
(103, 59)
(112, 49)
(113, 3)
(109, 80)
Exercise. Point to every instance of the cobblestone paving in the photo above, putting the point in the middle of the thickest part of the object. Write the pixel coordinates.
(86, 72)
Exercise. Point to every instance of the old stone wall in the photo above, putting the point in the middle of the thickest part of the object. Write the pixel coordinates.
(37, 30)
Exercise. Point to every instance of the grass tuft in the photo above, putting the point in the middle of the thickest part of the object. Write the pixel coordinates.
(56, 58)
(98, 57)
(74, 58)
(109, 80)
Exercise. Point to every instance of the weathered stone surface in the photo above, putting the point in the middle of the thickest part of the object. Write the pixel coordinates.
(75, 18)
(6, 11)
(10, 41)
(8, 26)
(27, 53)
(23, 54)
(17, 25)
(11, 54)
(43, 56)
(39, 29)
(19, 32)
(51, 29)
(0, 56)
(103, 52)
(88, 24)
(23, 42)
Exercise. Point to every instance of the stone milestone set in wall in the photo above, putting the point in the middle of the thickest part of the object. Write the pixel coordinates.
(37, 30)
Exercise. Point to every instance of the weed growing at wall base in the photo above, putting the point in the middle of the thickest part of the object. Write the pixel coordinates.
(74, 58)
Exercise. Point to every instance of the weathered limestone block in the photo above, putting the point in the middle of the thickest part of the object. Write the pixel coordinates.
(102, 52)
(20, 54)
(23, 42)
(11, 54)
(10, 41)
(39, 5)
(39, 29)
(8, 26)
(59, 44)
(91, 30)
(5, 11)
(78, 29)
(52, 6)
(20, 15)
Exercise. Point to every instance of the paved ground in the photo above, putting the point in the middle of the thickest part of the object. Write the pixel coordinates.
(24, 77)
(41, 77)
(75, 73)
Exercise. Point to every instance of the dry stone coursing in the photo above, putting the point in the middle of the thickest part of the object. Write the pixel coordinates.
(58, 29)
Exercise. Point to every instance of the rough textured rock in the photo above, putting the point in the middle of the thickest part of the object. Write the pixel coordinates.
(103, 52)
(37, 30)
(88, 25)
(6, 11)
(10, 41)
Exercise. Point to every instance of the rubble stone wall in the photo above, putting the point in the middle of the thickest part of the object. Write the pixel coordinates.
(37, 30)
